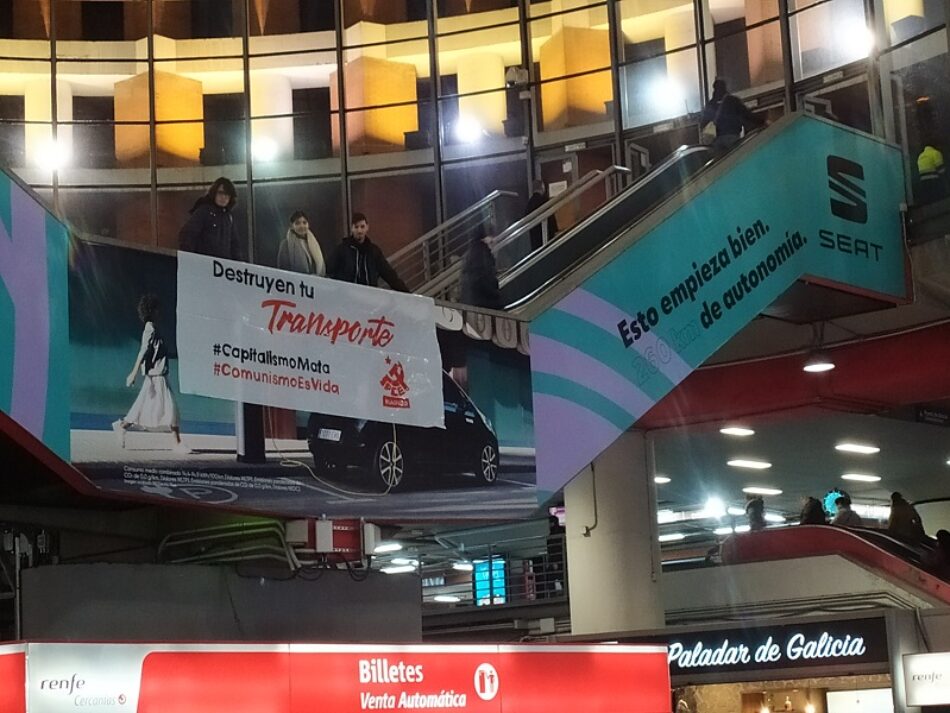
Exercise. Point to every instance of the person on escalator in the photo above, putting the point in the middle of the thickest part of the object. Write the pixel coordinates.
(812, 512)
(845, 516)
(755, 511)
(539, 197)
(904, 522)
(729, 116)
(479, 274)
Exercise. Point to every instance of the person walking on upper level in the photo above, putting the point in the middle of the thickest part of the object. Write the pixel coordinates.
(729, 116)
(479, 273)
(755, 511)
(359, 260)
(539, 196)
(812, 512)
(210, 229)
(904, 522)
(845, 516)
(299, 250)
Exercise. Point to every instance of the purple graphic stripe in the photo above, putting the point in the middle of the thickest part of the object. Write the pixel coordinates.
(567, 438)
(591, 308)
(23, 271)
(553, 357)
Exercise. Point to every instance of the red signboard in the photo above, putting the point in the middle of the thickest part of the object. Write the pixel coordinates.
(339, 678)
(12, 679)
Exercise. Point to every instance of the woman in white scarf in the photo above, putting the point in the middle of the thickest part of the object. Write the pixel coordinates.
(299, 251)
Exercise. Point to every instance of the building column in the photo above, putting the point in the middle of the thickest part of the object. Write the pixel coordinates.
(271, 95)
(613, 555)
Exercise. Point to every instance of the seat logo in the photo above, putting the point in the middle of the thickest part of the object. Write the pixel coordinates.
(848, 197)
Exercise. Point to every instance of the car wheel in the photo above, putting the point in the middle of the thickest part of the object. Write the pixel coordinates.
(389, 463)
(487, 467)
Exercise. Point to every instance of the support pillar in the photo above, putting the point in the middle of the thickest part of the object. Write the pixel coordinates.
(613, 554)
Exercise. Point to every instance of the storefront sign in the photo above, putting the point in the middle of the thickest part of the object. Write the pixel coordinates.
(794, 646)
(260, 335)
(927, 679)
(302, 678)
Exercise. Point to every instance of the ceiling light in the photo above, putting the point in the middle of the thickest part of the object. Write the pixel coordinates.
(760, 490)
(818, 362)
(736, 431)
(861, 477)
(745, 463)
(722, 531)
(774, 517)
(735, 511)
(402, 569)
(463, 566)
(742, 528)
(809, 708)
(447, 598)
(661, 480)
(672, 537)
(714, 507)
(402, 561)
(857, 448)
(264, 148)
(468, 129)
(663, 516)
(384, 547)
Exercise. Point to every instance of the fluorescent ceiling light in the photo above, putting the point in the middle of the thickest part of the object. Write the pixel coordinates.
(746, 463)
(402, 561)
(463, 566)
(857, 448)
(403, 569)
(714, 507)
(672, 537)
(736, 431)
(384, 547)
(742, 528)
(447, 598)
(760, 490)
(722, 531)
(861, 477)
(663, 516)
(774, 517)
(735, 511)
(661, 480)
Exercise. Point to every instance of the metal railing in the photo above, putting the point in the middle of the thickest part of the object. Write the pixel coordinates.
(443, 284)
(517, 571)
(428, 255)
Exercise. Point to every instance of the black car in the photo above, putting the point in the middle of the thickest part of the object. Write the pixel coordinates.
(467, 444)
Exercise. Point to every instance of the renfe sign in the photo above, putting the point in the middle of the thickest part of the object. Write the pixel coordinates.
(792, 646)
(927, 679)
(306, 678)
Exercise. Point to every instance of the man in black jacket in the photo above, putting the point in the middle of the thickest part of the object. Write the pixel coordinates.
(210, 229)
(360, 261)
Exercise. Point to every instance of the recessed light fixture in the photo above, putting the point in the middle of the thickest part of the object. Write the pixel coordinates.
(818, 362)
(447, 598)
(402, 561)
(861, 477)
(743, 528)
(463, 566)
(735, 512)
(401, 569)
(736, 431)
(661, 480)
(857, 448)
(722, 531)
(761, 490)
(384, 547)
(774, 517)
(672, 537)
(714, 507)
(746, 463)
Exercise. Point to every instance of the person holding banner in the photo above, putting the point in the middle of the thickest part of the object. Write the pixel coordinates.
(299, 251)
(210, 229)
(360, 261)
(154, 408)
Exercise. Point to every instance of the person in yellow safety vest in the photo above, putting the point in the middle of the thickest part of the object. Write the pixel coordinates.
(933, 175)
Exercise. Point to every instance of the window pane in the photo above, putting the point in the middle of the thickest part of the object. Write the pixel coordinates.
(413, 192)
(660, 88)
(905, 19)
(25, 20)
(828, 36)
(101, 28)
(199, 19)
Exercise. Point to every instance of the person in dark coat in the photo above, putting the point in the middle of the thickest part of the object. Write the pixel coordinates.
(904, 522)
(479, 274)
(539, 197)
(210, 229)
(729, 115)
(812, 512)
(755, 511)
(359, 260)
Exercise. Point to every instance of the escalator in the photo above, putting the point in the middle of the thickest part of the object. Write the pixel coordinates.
(907, 565)
(572, 247)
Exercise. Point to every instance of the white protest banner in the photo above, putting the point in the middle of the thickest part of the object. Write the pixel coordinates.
(260, 335)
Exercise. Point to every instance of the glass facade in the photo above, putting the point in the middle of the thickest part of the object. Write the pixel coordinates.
(124, 111)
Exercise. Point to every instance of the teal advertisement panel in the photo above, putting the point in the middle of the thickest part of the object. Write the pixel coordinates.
(607, 352)
(34, 357)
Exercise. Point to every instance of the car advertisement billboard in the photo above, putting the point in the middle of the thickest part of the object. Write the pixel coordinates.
(419, 411)
(298, 678)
